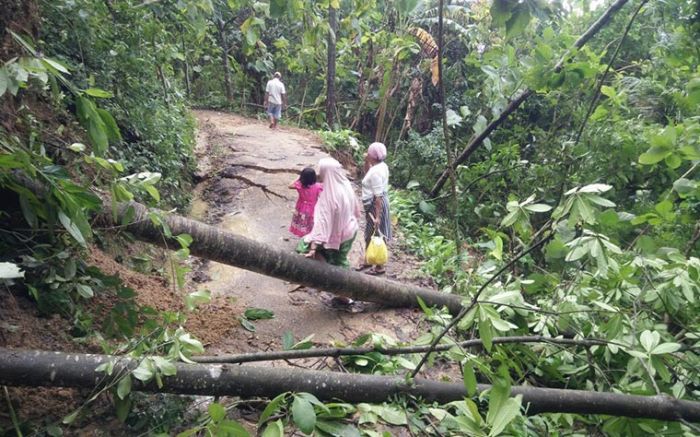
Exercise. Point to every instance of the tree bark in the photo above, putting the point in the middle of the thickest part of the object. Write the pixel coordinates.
(330, 76)
(41, 368)
(446, 133)
(221, 27)
(414, 93)
(228, 248)
(390, 88)
(477, 140)
(225, 247)
(305, 85)
(406, 350)
(364, 82)
(188, 84)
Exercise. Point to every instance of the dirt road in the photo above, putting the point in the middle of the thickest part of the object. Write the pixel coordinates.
(245, 169)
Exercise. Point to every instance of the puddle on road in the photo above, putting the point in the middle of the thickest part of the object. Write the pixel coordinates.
(198, 209)
(224, 278)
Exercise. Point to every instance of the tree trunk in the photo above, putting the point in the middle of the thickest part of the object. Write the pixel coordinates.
(41, 368)
(363, 84)
(389, 90)
(414, 93)
(305, 86)
(225, 247)
(385, 138)
(163, 84)
(224, 62)
(446, 133)
(188, 84)
(228, 248)
(477, 140)
(391, 351)
(330, 77)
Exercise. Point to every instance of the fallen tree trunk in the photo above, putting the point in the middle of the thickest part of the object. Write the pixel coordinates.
(41, 368)
(478, 139)
(212, 243)
(225, 247)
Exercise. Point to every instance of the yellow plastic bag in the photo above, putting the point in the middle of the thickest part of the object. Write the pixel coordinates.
(377, 253)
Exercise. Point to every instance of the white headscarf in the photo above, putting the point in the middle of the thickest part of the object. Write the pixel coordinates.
(377, 151)
(337, 209)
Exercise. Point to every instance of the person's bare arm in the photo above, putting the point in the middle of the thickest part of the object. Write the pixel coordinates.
(284, 101)
(267, 97)
(377, 209)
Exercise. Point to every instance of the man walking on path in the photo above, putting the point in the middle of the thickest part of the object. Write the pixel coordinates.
(275, 99)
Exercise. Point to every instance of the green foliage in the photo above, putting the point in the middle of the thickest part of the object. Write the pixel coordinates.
(602, 169)
(514, 15)
(418, 159)
(196, 298)
(258, 314)
(128, 54)
(215, 423)
(376, 362)
(288, 342)
(308, 414)
(252, 314)
(52, 188)
(343, 141)
(155, 414)
(605, 287)
(423, 237)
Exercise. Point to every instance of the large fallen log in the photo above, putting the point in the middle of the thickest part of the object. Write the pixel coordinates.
(225, 247)
(41, 368)
(215, 244)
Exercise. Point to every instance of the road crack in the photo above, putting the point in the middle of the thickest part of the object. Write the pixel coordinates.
(267, 170)
(230, 175)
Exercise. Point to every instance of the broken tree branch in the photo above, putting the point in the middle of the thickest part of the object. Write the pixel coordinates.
(294, 171)
(41, 368)
(249, 182)
(474, 301)
(339, 352)
(478, 139)
(597, 93)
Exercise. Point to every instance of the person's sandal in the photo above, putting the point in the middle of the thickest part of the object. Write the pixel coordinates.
(374, 272)
(341, 301)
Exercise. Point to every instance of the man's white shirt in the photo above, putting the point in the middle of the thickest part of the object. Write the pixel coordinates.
(275, 89)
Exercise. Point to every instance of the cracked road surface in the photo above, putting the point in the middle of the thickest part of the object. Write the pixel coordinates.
(245, 169)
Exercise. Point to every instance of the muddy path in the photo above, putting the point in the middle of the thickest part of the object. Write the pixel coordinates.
(245, 168)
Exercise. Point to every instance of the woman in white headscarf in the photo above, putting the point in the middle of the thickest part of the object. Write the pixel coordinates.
(335, 221)
(375, 198)
(335, 217)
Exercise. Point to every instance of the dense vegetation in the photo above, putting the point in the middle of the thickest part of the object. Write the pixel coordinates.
(597, 169)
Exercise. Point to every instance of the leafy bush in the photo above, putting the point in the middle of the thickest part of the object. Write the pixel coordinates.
(345, 141)
(420, 234)
(418, 158)
(126, 52)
